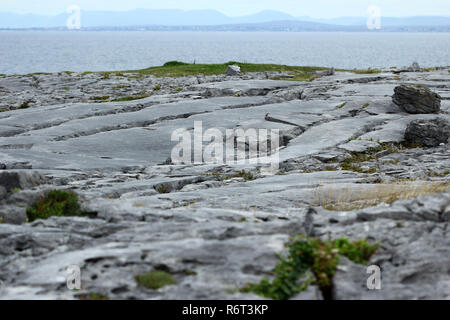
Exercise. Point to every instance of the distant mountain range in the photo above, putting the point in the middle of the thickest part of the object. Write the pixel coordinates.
(214, 20)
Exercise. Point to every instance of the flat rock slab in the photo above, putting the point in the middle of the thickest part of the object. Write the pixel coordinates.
(250, 87)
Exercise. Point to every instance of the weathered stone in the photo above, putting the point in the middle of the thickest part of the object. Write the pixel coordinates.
(416, 99)
(328, 72)
(13, 214)
(3, 192)
(233, 70)
(430, 133)
(20, 180)
(415, 67)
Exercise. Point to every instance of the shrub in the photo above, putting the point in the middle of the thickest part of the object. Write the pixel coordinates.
(174, 63)
(163, 188)
(310, 254)
(155, 279)
(58, 203)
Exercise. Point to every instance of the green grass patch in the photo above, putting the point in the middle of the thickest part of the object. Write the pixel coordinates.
(59, 203)
(39, 74)
(94, 296)
(351, 163)
(318, 257)
(361, 71)
(155, 279)
(182, 69)
(244, 174)
(131, 98)
(99, 98)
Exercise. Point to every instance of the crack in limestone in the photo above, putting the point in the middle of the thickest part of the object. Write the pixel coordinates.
(139, 124)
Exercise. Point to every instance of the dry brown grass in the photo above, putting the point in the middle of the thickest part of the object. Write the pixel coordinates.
(352, 197)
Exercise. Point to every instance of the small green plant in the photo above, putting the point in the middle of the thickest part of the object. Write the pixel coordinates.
(155, 279)
(178, 89)
(58, 203)
(24, 105)
(357, 251)
(190, 273)
(310, 254)
(157, 87)
(93, 296)
(365, 105)
(243, 174)
(174, 63)
(341, 105)
(1, 220)
(130, 98)
(163, 188)
(15, 190)
(188, 203)
(106, 76)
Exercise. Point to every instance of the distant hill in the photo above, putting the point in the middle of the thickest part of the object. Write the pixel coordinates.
(169, 17)
(173, 17)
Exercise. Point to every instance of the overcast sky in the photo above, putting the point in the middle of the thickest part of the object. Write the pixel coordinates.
(313, 8)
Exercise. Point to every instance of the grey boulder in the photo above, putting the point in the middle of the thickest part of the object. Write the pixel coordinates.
(13, 214)
(328, 72)
(415, 67)
(233, 70)
(20, 180)
(2, 192)
(430, 133)
(417, 99)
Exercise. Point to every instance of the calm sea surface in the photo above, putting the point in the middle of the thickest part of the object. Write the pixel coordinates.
(51, 51)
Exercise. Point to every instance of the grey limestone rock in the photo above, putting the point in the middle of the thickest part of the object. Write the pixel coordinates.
(417, 99)
(215, 227)
(430, 133)
(233, 70)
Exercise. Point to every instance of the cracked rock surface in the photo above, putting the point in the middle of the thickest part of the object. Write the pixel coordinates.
(214, 229)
